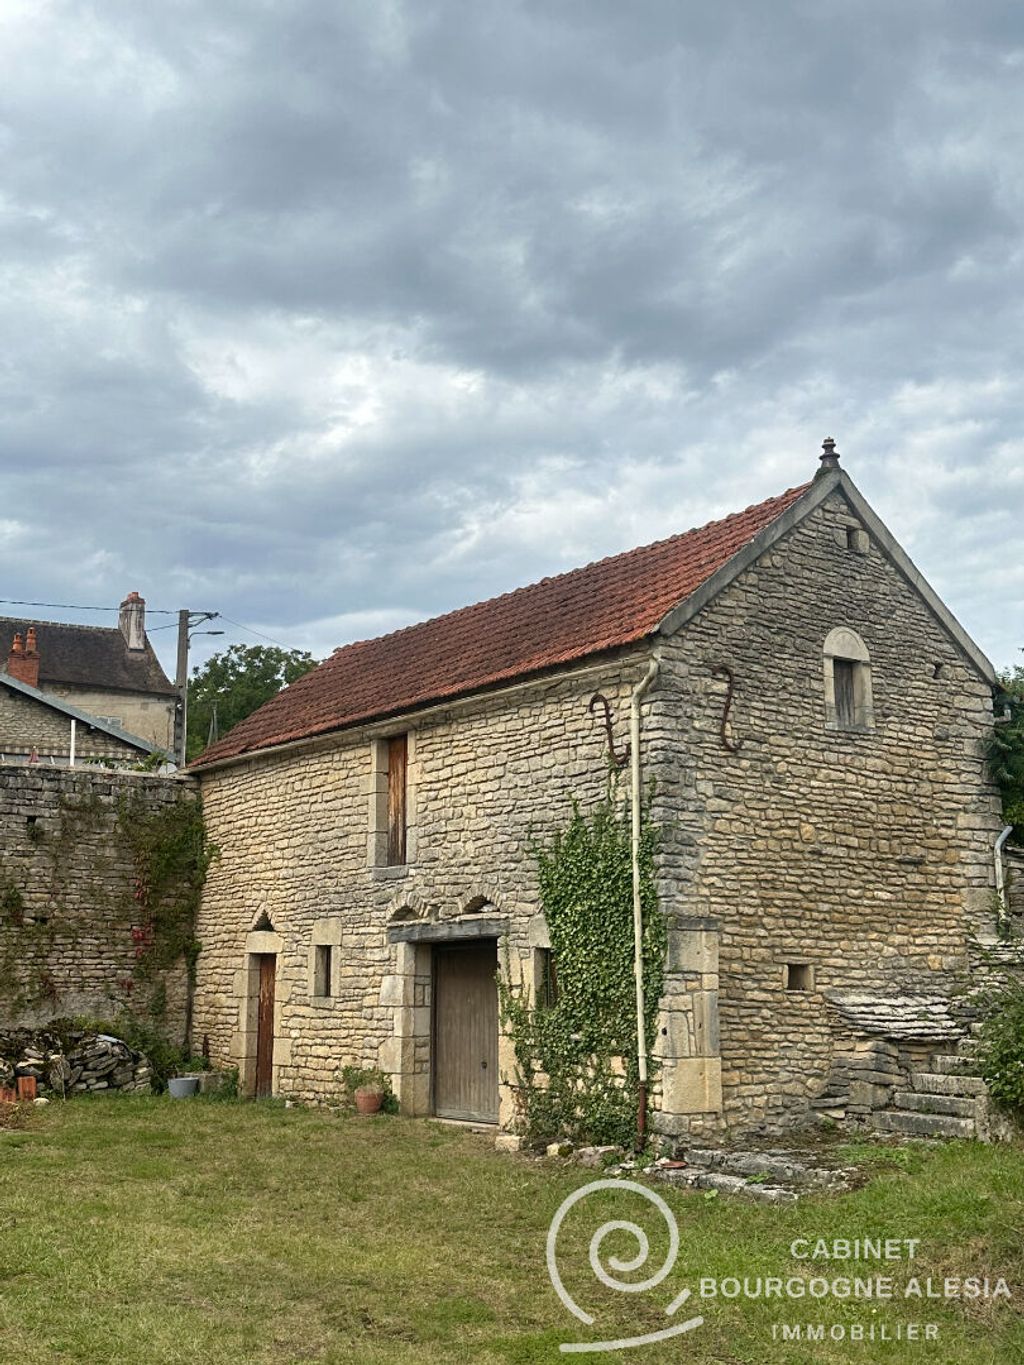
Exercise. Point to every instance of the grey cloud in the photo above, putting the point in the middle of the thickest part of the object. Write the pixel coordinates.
(320, 311)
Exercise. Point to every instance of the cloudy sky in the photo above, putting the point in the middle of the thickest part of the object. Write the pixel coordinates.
(334, 314)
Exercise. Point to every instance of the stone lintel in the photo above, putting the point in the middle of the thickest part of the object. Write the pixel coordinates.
(448, 931)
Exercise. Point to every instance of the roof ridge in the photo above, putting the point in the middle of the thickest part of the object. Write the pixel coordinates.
(46, 621)
(567, 573)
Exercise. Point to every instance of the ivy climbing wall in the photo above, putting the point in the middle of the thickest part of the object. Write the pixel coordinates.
(96, 891)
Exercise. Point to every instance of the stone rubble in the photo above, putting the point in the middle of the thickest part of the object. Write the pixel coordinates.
(89, 1062)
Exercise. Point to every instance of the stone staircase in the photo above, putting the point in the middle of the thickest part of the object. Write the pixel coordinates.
(945, 1101)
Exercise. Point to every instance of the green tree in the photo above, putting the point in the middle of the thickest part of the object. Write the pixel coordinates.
(232, 684)
(1006, 748)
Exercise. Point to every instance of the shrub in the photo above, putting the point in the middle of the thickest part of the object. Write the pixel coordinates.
(1001, 1045)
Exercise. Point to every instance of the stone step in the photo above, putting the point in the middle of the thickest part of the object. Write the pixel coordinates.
(923, 1125)
(747, 1163)
(952, 1064)
(935, 1083)
(697, 1179)
(936, 1104)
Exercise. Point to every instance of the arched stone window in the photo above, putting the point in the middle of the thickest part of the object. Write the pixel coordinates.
(847, 666)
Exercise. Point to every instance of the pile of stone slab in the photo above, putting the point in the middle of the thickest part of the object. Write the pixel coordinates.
(77, 1063)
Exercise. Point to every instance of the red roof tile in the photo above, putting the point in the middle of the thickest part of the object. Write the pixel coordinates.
(559, 620)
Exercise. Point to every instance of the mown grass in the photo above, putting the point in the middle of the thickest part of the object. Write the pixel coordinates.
(144, 1230)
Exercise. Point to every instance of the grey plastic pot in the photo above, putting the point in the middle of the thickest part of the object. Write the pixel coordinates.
(183, 1087)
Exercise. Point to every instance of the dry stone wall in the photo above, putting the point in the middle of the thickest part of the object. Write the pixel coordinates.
(67, 905)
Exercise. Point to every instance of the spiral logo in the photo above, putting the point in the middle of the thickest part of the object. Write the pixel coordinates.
(620, 1266)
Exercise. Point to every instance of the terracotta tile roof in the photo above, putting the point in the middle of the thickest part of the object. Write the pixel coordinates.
(560, 620)
(88, 656)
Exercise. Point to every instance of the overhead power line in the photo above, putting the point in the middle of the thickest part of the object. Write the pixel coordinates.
(280, 644)
(150, 611)
(71, 606)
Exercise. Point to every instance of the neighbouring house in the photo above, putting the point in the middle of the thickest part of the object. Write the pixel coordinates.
(40, 727)
(110, 672)
(815, 733)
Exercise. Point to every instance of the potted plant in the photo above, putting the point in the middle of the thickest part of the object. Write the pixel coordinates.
(367, 1086)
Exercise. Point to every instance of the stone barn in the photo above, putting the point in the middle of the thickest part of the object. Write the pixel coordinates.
(814, 728)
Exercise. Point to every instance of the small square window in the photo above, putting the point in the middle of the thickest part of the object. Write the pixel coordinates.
(322, 970)
(798, 976)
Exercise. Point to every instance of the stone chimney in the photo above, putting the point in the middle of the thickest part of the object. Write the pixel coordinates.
(132, 621)
(23, 660)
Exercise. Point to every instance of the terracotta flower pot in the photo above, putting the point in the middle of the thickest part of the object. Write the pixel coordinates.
(8, 1094)
(369, 1099)
(27, 1087)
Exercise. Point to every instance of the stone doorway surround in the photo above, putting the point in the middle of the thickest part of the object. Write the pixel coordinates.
(246, 991)
(407, 1055)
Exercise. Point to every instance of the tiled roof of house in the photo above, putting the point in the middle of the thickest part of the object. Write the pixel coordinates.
(605, 605)
(88, 656)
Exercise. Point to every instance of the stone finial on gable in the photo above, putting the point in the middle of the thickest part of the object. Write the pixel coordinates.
(829, 456)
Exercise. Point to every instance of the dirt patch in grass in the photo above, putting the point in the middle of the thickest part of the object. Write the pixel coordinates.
(16, 1115)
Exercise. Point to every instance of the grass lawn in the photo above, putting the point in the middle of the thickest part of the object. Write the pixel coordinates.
(144, 1230)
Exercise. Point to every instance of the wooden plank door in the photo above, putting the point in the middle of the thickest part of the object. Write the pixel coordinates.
(466, 1032)
(265, 1026)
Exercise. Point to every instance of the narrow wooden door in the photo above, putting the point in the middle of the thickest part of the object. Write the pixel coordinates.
(466, 1032)
(265, 1026)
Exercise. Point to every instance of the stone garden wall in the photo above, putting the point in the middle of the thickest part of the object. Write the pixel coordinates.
(71, 935)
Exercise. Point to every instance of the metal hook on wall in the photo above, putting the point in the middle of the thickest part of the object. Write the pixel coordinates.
(599, 699)
(724, 671)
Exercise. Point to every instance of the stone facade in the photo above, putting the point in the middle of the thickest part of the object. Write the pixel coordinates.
(151, 718)
(27, 724)
(800, 858)
(66, 894)
(485, 777)
(863, 855)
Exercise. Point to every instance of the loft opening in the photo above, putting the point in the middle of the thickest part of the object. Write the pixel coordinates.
(847, 675)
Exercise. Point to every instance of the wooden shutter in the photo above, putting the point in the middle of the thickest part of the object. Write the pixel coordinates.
(843, 674)
(397, 766)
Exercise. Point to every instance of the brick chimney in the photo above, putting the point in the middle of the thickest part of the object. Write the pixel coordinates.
(23, 660)
(132, 621)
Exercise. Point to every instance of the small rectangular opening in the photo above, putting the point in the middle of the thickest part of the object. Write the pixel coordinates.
(856, 540)
(546, 978)
(799, 976)
(322, 970)
(844, 674)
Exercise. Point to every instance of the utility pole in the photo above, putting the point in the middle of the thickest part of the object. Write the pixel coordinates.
(187, 620)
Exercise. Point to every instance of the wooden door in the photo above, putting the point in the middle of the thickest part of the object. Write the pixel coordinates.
(466, 1032)
(265, 1026)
